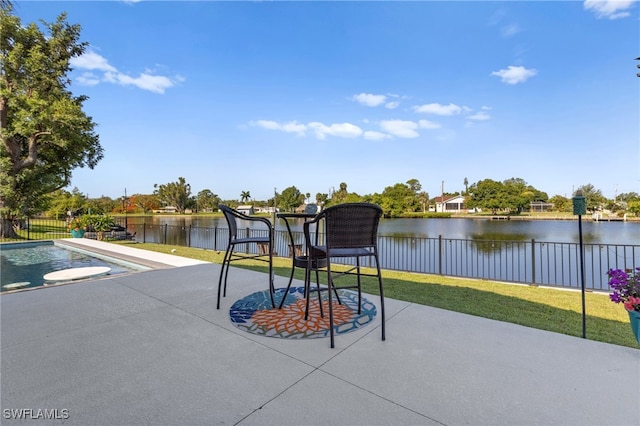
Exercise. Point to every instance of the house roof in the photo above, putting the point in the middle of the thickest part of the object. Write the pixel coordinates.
(448, 198)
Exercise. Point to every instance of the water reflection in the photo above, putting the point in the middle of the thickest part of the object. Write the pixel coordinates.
(478, 229)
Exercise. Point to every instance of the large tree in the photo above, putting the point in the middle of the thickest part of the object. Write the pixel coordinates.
(513, 195)
(593, 197)
(399, 198)
(486, 194)
(290, 199)
(176, 194)
(44, 133)
(207, 200)
(145, 202)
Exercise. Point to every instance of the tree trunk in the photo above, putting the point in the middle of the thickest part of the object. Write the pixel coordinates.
(6, 229)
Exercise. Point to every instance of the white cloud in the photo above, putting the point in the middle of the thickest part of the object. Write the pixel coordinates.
(609, 9)
(438, 109)
(369, 99)
(95, 62)
(515, 75)
(342, 130)
(289, 127)
(426, 124)
(91, 61)
(480, 116)
(88, 79)
(152, 83)
(392, 105)
(375, 136)
(265, 124)
(321, 130)
(294, 127)
(400, 128)
(510, 30)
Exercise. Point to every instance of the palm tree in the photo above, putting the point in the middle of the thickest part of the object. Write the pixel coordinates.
(424, 199)
(245, 196)
(466, 186)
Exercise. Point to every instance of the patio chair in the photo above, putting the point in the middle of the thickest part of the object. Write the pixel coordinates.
(350, 231)
(263, 244)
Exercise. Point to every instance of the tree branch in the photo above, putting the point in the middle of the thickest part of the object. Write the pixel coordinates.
(32, 156)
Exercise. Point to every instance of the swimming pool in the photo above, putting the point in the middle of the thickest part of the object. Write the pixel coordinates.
(23, 265)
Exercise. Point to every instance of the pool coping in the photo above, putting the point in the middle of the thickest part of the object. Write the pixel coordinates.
(153, 260)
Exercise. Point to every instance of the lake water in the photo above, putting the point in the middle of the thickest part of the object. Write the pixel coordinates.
(563, 231)
(527, 251)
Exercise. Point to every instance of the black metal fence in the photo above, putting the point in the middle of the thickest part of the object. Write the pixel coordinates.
(531, 262)
(528, 262)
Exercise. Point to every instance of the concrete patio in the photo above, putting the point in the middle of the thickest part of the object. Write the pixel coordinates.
(150, 348)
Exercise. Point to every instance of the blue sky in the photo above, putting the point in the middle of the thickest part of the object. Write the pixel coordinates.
(252, 96)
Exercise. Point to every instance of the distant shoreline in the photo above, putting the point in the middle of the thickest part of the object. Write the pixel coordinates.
(498, 217)
(587, 218)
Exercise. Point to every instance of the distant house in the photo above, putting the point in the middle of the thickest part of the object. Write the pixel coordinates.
(166, 209)
(248, 210)
(540, 206)
(269, 210)
(451, 204)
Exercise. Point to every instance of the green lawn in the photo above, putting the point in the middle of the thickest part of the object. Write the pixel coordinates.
(543, 308)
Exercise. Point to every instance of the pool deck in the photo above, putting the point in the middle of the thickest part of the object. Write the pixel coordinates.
(151, 348)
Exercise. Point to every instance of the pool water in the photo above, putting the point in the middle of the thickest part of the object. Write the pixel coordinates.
(23, 265)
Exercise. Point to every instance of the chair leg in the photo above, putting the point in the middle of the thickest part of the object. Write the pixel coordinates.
(359, 286)
(222, 273)
(307, 289)
(319, 292)
(335, 291)
(381, 296)
(284, 297)
(227, 261)
(329, 291)
(272, 288)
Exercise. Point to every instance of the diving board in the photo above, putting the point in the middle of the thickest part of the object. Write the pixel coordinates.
(76, 273)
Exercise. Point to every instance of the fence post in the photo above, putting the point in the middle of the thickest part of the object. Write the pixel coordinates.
(189, 237)
(533, 261)
(165, 234)
(144, 232)
(215, 238)
(440, 254)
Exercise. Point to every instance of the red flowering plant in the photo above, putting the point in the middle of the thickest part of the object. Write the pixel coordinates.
(626, 287)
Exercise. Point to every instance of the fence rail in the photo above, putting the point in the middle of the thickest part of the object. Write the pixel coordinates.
(528, 262)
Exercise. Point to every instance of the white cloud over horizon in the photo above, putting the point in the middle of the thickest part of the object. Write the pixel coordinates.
(94, 62)
(405, 129)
